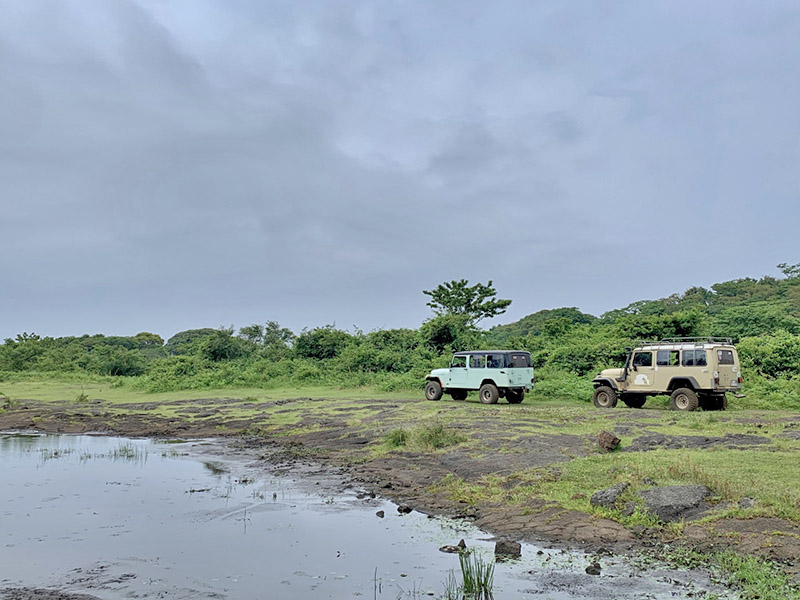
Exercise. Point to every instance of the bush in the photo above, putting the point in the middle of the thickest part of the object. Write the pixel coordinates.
(321, 343)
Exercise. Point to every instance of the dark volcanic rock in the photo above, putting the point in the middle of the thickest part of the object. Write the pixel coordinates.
(593, 569)
(404, 509)
(607, 441)
(608, 497)
(676, 502)
(507, 549)
(676, 442)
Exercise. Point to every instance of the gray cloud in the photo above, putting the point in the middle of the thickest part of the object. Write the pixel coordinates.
(186, 164)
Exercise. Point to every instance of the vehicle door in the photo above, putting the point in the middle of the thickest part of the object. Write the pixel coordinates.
(476, 371)
(458, 372)
(642, 376)
(519, 369)
(667, 363)
(727, 368)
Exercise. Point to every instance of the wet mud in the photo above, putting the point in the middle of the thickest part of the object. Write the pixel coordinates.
(329, 443)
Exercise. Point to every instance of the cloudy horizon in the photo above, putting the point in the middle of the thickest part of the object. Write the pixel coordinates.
(175, 165)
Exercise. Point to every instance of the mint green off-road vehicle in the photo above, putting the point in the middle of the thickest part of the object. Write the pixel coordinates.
(493, 373)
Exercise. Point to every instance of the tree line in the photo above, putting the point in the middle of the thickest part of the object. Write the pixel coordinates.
(762, 316)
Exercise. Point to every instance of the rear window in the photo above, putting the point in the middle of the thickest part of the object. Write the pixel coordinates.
(725, 357)
(519, 359)
(694, 358)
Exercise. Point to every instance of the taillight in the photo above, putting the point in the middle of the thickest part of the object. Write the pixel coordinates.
(533, 379)
(716, 377)
(740, 379)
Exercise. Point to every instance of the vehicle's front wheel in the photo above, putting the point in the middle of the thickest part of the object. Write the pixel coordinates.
(515, 396)
(634, 400)
(488, 393)
(604, 397)
(458, 394)
(433, 390)
(683, 399)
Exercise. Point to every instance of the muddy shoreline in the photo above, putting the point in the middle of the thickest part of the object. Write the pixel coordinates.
(337, 447)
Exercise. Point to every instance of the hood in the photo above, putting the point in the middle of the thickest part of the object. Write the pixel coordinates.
(440, 372)
(611, 373)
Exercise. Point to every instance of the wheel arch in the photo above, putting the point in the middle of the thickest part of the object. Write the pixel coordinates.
(598, 381)
(682, 382)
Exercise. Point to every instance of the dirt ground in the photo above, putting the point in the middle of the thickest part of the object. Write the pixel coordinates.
(340, 443)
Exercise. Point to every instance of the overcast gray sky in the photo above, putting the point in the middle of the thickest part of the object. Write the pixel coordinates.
(168, 165)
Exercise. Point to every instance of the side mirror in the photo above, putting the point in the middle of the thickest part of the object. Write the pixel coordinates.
(635, 368)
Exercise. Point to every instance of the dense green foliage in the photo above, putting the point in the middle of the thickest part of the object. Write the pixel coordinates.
(567, 346)
(474, 302)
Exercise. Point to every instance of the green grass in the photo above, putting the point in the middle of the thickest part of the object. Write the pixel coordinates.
(427, 437)
(751, 577)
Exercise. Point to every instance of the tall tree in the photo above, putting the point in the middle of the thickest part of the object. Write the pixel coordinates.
(475, 302)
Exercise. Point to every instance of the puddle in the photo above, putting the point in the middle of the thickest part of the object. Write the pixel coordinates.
(115, 517)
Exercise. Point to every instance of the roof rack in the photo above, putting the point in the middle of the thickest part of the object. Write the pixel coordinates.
(697, 341)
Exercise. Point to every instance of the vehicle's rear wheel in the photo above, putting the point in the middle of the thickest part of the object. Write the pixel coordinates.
(634, 400)
(488, 393)
(433, 390)
(515, 396)
(604, 397)
(458, 394)
(683, 399)
(713, 401)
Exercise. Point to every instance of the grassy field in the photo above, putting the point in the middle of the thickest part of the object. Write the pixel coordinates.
(751, 453)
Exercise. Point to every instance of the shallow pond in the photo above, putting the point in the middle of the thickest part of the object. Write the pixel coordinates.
(122, 518)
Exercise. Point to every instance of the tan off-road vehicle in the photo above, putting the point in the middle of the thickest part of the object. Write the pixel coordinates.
(693, 371)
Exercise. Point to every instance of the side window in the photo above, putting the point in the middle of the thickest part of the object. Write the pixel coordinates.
(694, 358)
(643, 359)
(725, 357)
(477, 362)
(459, 362)
(494, 361)
(667, 358)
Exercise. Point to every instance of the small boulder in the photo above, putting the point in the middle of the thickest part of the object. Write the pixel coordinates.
(593, 569)
(608, 497)
(607, 441)
(507, 549)
(380, 514)
(629, 509)
(677, 502)
(460, 547)
(747, 503)
(404, 509)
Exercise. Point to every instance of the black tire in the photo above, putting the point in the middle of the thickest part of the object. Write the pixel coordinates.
(683, 399)
(604, 397)
(458, 394)
(488, 393)
(713, 401)
(433, 390)
(634, 400)
(515, 396)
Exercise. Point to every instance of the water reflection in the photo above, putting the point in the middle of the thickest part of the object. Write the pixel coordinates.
(117, 518)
